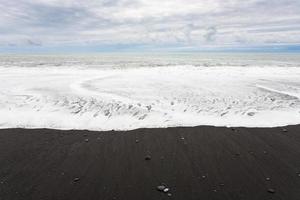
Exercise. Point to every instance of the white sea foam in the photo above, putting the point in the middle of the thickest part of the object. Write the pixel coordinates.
(104, 93)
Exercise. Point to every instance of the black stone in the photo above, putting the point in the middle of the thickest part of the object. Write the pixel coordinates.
(76, 179)
(148, 157)
(284, 130)
(271, 190)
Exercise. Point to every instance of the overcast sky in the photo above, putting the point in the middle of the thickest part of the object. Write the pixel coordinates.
(149, 24)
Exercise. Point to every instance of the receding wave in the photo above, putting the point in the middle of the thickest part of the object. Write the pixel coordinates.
(134, 97)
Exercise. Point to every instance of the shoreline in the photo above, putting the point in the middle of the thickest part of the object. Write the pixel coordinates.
(150, 128)
(201, 162)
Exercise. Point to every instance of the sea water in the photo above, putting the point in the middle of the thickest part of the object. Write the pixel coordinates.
(129, 91)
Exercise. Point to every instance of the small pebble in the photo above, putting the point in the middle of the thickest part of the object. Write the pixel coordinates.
(268, 179)
(271, 190)
(222, 184)
(76, 179)
(284, 130)
(148, 157)
(265, 152)
(169, 194)
(86, 140)
(203, 176)
(166, 190)
(215, 190)
(161, 188)
(136, 141)
(182, 138)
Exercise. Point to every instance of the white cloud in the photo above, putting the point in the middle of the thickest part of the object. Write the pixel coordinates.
(156, 22)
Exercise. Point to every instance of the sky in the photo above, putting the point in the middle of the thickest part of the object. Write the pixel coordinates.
(149, 25)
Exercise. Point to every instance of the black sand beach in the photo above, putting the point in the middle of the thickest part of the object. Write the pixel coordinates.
(195, 163)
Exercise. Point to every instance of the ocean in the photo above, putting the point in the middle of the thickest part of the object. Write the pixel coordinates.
(129, 91)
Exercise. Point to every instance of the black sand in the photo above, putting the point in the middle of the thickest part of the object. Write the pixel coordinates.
(195, 163)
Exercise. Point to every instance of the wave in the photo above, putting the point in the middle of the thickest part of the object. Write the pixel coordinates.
(130, 98)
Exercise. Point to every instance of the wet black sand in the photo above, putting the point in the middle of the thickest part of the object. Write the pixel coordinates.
(195, 163)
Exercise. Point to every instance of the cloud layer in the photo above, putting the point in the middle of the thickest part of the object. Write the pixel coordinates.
(194, 24)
